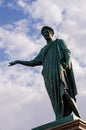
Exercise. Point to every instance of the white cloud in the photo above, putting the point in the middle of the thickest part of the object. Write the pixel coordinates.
(21, 3)
(16, 41)
(49, 13)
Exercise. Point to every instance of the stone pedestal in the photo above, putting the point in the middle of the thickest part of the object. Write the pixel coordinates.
(68, 123)
(72, 125)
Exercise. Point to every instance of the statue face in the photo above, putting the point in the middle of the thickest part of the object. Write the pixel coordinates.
(47, 34)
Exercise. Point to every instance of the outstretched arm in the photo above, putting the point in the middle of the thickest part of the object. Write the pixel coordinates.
(26, 63)
(35, 62)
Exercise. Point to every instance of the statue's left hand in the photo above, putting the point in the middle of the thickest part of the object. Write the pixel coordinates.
(13, 63)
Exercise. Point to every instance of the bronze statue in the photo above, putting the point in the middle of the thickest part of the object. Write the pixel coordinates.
(57, 72)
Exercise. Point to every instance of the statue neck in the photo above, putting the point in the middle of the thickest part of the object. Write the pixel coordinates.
(49, 41)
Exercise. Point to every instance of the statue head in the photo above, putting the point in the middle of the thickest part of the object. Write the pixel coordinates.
(47, 32)
(47, 28)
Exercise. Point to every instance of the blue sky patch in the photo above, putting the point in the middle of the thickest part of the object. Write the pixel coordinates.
(3, 55)
(8, 15)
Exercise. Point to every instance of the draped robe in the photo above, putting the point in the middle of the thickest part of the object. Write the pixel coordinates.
(56, 78)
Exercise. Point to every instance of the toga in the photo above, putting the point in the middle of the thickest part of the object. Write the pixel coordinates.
(56, 78)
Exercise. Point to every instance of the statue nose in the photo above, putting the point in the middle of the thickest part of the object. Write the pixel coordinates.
(46, 33)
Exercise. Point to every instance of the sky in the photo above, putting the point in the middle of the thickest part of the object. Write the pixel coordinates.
(24, 102)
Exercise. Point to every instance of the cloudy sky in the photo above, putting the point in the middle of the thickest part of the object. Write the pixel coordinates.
(24, 103)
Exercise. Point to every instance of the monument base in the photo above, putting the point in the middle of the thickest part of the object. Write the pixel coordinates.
(67, 123)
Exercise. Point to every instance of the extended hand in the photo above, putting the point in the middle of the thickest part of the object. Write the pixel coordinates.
(13, 63)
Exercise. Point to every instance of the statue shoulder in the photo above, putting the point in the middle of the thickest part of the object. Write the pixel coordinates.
(62, 43)
(59, 40)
